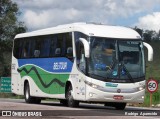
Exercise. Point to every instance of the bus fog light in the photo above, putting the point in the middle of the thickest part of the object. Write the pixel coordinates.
(91, 94)
(142, 97)
(141, 88)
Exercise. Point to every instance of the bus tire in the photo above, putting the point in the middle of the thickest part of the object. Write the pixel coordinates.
(28, 97)
(120, 106)
(70, 101)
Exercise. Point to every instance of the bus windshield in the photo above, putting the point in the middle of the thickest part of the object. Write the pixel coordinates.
(118, 60)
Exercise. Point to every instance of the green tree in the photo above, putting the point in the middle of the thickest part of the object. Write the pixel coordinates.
(147, 35)
(150, 35)
(9, 27)
(140, 31)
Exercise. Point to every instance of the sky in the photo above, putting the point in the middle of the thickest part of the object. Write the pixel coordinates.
(38, 14)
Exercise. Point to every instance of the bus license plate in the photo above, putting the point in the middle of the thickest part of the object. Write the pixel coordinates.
(118, 97)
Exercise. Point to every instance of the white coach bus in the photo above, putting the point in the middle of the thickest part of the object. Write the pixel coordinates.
(80, 62)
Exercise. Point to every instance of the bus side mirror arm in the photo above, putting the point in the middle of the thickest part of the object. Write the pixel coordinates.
(86, 46)
(150, 51)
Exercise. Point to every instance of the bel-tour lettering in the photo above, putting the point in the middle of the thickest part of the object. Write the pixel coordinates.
(60, 66)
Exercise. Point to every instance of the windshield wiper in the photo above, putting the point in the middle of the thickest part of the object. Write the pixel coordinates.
(111, 67)
(128, 74)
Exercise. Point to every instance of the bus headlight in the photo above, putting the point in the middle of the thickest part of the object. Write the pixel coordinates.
(93, 85)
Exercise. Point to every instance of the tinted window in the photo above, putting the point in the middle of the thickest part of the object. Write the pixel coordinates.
(56, 45)
(17, 48)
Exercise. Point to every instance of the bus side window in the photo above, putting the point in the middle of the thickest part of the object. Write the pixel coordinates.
(24, 53)
(20, 48)
(69, 48)
(58, 52)
(81, 61)
(69, 53)
(31, 48)
(63, 45)
(77, 53)
(17, 48)
(38, 45)
(25, 48)
(53, 44)
(36, 53)
(45, 47)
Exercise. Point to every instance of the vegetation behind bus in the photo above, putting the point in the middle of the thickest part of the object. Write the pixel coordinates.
(9, 27)
(153, 70)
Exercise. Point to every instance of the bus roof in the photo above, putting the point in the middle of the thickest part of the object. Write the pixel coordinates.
(90, 29)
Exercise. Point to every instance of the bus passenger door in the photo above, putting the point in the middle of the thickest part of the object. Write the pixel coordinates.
(81, 71)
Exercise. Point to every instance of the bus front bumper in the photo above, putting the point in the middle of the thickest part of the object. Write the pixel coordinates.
(95, 95)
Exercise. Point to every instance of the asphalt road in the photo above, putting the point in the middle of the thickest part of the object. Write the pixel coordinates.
(47, 109)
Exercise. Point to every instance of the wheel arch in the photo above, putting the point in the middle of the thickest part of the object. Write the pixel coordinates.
(25, 80)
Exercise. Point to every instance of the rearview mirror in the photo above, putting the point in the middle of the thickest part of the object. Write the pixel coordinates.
(150, 51)
(86, 46)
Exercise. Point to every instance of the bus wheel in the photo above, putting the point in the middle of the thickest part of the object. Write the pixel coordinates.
(70, 101)
(120, 106)
(27, 96)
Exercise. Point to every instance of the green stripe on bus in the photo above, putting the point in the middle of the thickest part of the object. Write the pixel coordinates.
(49, 83)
